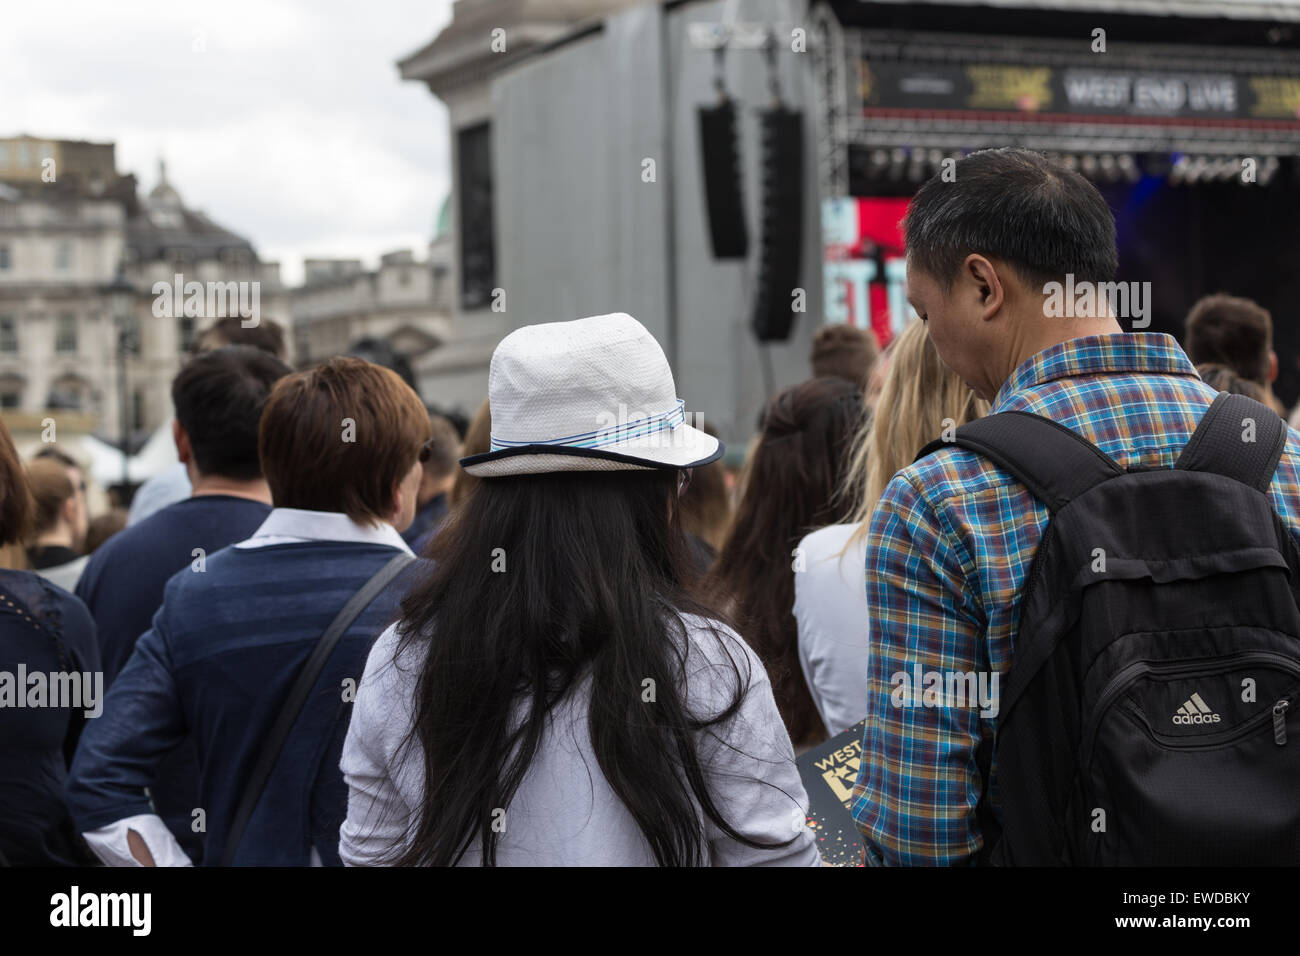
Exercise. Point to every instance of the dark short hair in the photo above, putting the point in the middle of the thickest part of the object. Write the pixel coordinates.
(267, 335)
(844, 351)
(219, 397)
(1012, 204)
(338, 436)
(1230, 331)
(51, 490)
(102, 527)
(444, 447)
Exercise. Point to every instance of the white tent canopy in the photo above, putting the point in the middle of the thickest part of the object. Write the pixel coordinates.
(157, 454)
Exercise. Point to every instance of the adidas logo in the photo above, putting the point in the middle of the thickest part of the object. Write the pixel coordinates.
(1195, 711)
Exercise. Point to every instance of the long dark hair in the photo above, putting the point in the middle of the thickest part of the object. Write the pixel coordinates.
(790, 489)
(590, 588)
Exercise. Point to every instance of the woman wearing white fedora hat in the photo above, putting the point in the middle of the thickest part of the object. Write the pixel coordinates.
(552, 695)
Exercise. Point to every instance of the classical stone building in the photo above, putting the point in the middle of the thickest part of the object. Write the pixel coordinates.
(405, 303)
(62, 232)
(68, 223)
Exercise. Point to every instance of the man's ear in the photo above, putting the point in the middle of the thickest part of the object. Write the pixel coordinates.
(1272, 366)
(982, 278)
(183, 451)
(70, 510)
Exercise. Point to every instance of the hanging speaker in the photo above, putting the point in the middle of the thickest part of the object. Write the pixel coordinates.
(781, 245)
(721, 158)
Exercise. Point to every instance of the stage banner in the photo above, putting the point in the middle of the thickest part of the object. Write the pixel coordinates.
(1076, 91)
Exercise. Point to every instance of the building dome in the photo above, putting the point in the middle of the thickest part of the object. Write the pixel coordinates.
(164, 195)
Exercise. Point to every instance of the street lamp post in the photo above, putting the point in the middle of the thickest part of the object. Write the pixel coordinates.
(121, 295)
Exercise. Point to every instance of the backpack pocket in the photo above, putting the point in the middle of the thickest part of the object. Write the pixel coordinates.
(1193, 763)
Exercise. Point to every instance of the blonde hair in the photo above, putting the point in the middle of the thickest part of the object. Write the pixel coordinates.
(919, 399)
(478, 439)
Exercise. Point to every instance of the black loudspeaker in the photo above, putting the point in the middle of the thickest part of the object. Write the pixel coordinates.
(781, 245)
(721, 160)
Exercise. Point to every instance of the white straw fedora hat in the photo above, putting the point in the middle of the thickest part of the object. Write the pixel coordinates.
(595, 394)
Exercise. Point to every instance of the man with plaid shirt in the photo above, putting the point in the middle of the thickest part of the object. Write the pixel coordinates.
(952, 537)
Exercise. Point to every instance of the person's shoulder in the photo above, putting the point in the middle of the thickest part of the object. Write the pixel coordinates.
(944, 474)
(134, 539)
(77, 622)
(67, 612)
(827, 542)
(392, 670)
(718, 661)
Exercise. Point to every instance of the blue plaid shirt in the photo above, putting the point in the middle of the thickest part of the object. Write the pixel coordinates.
(950, 543)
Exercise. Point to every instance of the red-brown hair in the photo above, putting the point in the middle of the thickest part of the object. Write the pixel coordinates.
(17, 510)
(339, 436)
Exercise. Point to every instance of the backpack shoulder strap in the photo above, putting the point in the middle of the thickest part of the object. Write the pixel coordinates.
(1054, 463)
(1220, 443)
(298, 694)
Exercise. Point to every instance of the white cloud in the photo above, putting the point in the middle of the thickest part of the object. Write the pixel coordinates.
(284, 120)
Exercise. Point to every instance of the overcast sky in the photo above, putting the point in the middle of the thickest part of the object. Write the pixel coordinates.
(283, 120)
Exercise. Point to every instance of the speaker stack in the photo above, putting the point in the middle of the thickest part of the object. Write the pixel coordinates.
(722, 181)
(781, 222)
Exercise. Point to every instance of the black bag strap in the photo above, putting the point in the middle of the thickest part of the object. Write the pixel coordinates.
(298, 695)
(1219, 444)
(1054, 463)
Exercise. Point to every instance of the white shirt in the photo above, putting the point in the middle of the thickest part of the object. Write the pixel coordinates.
(67, 575)
(830, 611)
(282, 525)
(564, 812)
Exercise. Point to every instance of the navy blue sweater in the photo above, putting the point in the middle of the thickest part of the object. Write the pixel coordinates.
(123, 581)
(218, 663)
(123, 584)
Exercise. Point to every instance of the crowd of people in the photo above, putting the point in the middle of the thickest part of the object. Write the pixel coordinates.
(342, 631)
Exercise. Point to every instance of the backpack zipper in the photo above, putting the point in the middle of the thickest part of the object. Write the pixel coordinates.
(1120, 682)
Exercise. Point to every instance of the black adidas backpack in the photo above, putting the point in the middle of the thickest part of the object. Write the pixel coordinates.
(1149, 714)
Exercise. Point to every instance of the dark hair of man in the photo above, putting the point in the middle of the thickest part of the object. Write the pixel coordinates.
(338, 437)
(51, 488)
(219, 397)
(1230, 331)
(594, 592)
(444, 448)
(17, 508)
(1017, 206)
(790, 490)
(267, 335)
